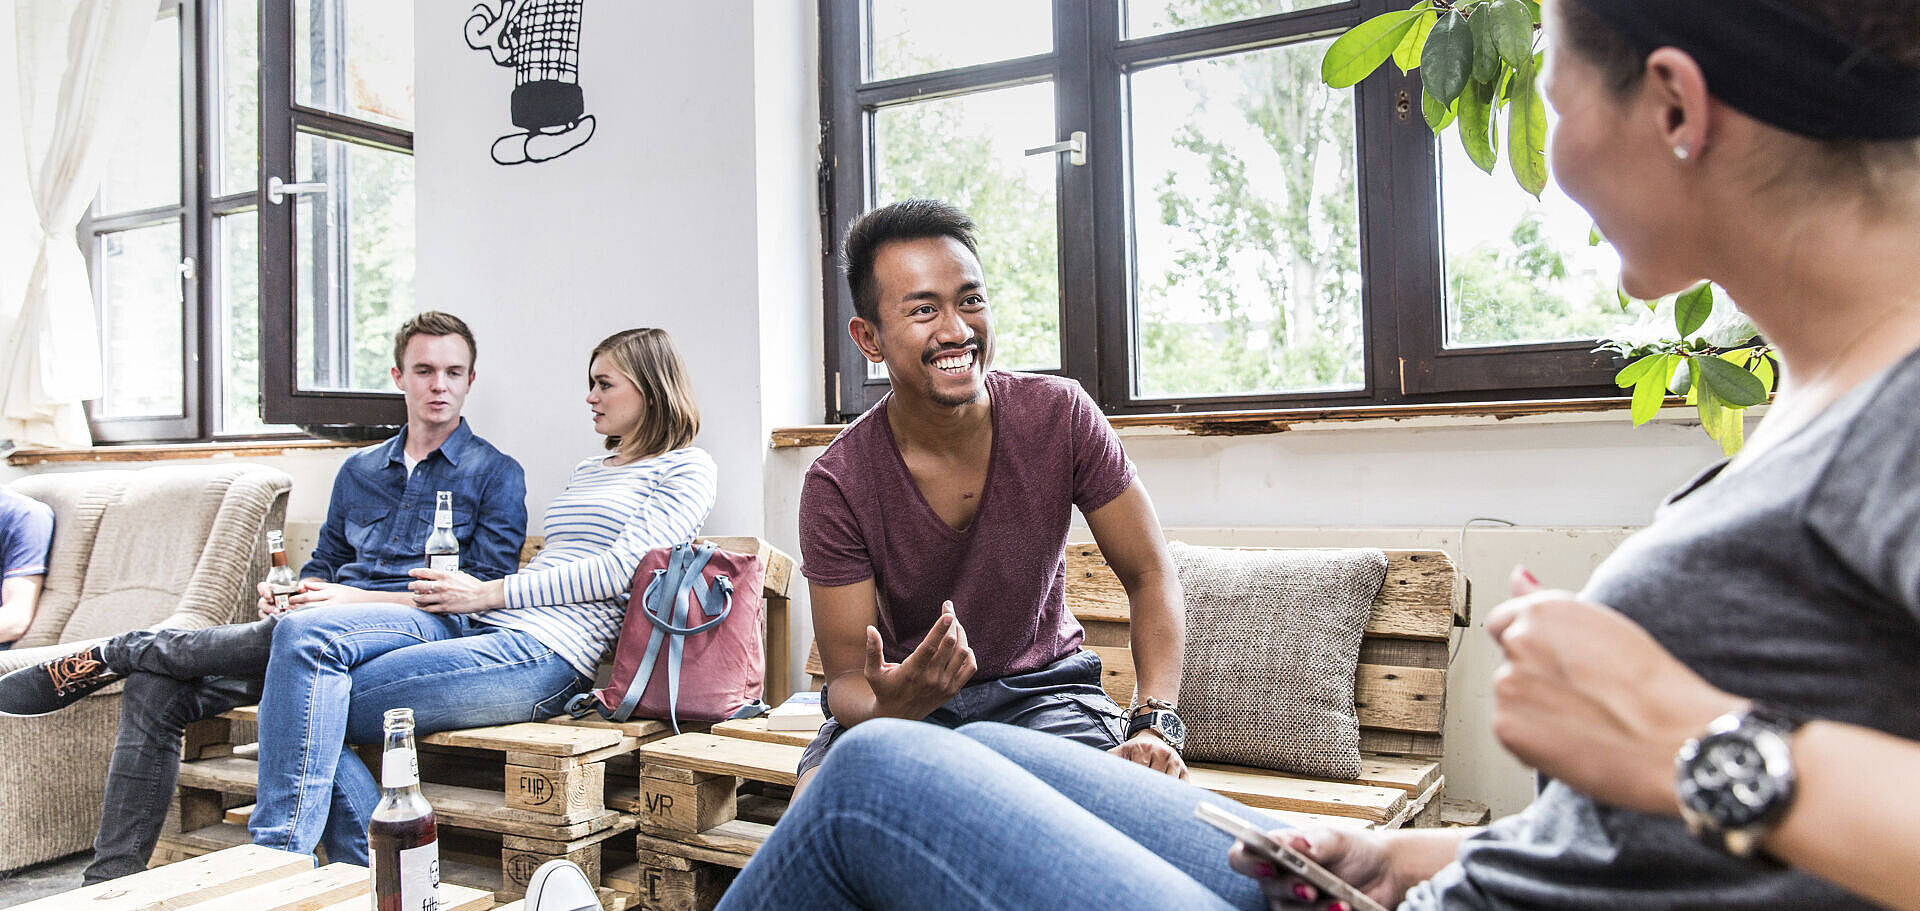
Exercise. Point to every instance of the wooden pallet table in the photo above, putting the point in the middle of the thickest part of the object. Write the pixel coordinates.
(244, 878)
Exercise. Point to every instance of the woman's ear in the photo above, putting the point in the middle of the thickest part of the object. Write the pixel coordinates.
(1679, 99)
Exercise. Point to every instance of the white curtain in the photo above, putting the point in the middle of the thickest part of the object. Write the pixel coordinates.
(73, 63)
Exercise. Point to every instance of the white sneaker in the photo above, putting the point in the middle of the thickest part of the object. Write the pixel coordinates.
(560, 885)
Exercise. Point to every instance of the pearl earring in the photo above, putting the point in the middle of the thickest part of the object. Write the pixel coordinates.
(1680, 152)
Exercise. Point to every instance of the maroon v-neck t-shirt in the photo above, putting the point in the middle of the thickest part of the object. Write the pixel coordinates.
(862, 517)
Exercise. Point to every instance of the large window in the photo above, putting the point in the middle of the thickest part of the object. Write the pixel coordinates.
(198, 269)
(1174, 210)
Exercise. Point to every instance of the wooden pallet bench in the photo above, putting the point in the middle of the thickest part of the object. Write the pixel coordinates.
(244, 878)
(508, 798)
(537, 789)
(695, 822)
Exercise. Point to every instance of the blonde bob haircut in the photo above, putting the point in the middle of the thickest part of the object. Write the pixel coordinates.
(648, 359)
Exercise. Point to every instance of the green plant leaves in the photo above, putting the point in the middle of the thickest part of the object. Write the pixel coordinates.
(1439, 114)
(1512, 27)
(1475, 116)
(1650, 386)
(1447, 59)
(1486, 57)
(1527, 128)
(1407, 55)
(1726, 425)
(1692, 307)
(1365, 46)
(1731, 384)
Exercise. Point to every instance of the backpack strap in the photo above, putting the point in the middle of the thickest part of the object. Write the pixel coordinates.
(696, 564)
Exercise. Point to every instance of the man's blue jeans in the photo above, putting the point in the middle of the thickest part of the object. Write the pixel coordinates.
(335, 672)
(910, 815)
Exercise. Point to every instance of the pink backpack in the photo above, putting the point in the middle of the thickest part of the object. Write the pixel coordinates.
(691, 645)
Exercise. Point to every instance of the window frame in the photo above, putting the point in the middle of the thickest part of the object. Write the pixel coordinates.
(1402, 308)
(197, 212)
(282, 121)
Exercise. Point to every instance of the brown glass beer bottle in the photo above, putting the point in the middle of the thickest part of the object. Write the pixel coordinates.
(402, 838)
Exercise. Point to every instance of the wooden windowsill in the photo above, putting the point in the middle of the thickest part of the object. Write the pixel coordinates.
(164, 451)
(1249, 423)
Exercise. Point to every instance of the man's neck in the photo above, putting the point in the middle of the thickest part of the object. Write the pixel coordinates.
(423, 438)
(924, 425)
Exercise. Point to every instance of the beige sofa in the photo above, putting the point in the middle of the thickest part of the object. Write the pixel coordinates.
(171, 546)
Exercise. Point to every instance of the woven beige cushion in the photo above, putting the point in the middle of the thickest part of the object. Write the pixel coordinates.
(1273, 637)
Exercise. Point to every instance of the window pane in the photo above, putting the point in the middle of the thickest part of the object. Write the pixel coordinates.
(1245, 227)
(969, 151)
(355, 57)
(140, 323)
(1519, 269)
(1158, 17)
(236, 240)
(353, 248)
(920, 36)
(145, 168)
(235, 60)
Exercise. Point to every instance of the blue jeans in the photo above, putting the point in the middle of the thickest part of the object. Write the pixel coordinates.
(335, 672)
(911, 815)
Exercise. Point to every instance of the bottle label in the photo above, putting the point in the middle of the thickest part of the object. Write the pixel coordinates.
(447, 562)
(420, 877)
(400, 768)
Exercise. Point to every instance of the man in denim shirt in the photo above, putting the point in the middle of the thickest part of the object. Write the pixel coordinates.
(377, 524)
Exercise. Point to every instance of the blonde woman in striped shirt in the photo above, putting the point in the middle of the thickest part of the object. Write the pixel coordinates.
(473, 653)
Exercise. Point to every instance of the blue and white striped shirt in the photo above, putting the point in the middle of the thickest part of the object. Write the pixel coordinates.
(573, 595)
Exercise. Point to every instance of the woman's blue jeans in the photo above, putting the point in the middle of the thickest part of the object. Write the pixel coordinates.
(333, 674)
(910, 815)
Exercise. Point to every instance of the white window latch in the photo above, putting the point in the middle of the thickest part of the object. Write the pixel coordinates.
(1075, 146)
(278, 190)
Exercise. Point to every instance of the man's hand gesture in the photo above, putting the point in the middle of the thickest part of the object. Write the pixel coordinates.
(940, 665)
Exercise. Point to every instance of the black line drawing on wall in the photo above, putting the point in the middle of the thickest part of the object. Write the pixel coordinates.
(540, 40)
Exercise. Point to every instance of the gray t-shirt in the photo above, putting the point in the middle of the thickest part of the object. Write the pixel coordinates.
(1794, 580)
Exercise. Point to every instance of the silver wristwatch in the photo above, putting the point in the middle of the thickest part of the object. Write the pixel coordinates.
(1736, 780)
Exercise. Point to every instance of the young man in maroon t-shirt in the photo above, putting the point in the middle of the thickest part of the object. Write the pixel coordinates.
(933, 530)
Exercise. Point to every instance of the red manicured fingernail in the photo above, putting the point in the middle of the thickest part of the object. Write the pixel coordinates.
(1527, 574)
(1338, 906)
(1302, 892)
(1264, 870)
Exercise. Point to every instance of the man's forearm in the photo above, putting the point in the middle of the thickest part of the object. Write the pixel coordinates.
(1159, 639)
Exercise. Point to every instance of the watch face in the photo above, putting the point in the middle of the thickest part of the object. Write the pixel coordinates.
(1729, 781)
(1175, 728)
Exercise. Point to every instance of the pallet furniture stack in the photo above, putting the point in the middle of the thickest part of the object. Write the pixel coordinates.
(508, 798)
(709, 799)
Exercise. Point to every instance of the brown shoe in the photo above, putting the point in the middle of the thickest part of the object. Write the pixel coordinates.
(54, 684)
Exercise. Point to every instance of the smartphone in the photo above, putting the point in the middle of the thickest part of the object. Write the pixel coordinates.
(1286, 858)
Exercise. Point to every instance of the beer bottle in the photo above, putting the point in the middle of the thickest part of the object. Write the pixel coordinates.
(280, 582)
(402, 837)
(443, 549)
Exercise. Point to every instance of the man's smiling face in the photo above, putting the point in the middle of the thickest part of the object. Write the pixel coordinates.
(936, 329)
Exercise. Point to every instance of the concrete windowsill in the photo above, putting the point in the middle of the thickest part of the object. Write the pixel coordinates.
(164, 451)
(1250, 423)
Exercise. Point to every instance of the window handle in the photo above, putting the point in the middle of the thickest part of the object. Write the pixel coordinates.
(189, 268)
(1075, 146)
(278, 190)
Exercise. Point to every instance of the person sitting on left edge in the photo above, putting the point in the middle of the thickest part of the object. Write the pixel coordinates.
(378, 517)
(26, 532)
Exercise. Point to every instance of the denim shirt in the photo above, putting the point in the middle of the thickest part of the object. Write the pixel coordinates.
(379, 517)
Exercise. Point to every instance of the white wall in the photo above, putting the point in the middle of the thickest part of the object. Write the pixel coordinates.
(688, 210)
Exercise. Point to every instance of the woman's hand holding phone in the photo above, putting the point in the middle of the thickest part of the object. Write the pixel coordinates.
(1311, 868)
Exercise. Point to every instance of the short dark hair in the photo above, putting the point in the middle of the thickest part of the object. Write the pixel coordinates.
(432, 322)
(908, 219)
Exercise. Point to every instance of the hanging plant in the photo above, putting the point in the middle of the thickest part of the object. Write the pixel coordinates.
(1479, 72)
